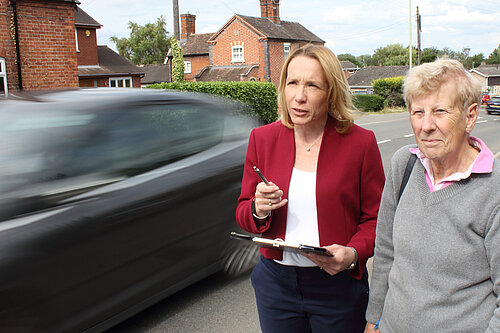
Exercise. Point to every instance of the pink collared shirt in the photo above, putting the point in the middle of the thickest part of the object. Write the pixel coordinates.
(482, 164)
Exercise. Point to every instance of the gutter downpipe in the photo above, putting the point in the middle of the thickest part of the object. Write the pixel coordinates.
(18, 53)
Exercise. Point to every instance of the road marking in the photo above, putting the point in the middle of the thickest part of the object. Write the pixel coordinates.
(408, 135)
(383, 141)
(482, 121)
(497, 155)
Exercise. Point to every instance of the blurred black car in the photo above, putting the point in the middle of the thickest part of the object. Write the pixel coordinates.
(111, 200)
(493, 105)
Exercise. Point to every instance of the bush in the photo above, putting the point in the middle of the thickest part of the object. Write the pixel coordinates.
(388, 86)
(368, 103)
(261, 97)
(394, 100)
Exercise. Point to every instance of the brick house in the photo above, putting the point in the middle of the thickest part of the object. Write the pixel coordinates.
(245, 48)
(489, 76)
(37, 45)
(98, 65)
(361, 81)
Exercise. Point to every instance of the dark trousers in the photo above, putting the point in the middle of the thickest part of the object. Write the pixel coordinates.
(306, 299)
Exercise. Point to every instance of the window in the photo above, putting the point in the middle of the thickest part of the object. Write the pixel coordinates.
(237, 53)
(3, 79)
(120, 82)
(286, 49)
(187, 67)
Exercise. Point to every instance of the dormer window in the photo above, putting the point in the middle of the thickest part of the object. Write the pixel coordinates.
(237, 53)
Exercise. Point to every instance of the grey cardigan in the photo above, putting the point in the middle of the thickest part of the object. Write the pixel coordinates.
(437, 255)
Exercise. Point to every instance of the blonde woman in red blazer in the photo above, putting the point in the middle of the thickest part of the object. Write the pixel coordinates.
(326, 179)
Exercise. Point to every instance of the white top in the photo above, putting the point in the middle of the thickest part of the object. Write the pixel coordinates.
(302, 217)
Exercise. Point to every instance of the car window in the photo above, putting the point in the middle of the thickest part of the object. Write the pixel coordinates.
(59, 153)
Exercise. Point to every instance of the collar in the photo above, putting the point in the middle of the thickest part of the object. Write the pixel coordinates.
(482, 164)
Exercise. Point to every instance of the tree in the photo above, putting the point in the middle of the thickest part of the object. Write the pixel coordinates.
(147, 44)
(393, 55)
(494, 57)
(349, 57)
(365, 60)
(429, 54)
(177, 61)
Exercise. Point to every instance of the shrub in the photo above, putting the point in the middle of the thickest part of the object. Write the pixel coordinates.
(260, 97)
(388, 86)
(368, 102)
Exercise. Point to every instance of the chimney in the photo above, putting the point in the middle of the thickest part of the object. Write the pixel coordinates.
(187, 25)
(270, 9)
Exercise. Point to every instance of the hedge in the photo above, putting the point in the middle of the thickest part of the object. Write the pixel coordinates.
(260, 97)
(391, 89)
(368, 102)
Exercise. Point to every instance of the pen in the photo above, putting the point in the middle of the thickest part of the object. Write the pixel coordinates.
(260, 175)
(376, 324)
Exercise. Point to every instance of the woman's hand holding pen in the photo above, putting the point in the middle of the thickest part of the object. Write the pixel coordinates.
(342, 257)
(268, 197)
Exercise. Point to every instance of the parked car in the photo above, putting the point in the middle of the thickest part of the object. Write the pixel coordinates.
(493, 105)
(484, 97)
(111, 200)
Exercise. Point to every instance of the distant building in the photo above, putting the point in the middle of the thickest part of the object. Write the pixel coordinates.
(37, 45)
(155, 73)
(245, 48)
(489, 76)
(100, 66)
(361, 81)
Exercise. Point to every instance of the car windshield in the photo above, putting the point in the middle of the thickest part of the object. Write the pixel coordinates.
(69, 152)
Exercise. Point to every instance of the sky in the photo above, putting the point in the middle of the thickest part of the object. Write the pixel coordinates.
(355, 27)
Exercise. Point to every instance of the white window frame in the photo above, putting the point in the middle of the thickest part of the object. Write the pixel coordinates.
(3, 77)
(187, 67)
(120, 79)
(237, 53)
(76, 40)
(286, 49)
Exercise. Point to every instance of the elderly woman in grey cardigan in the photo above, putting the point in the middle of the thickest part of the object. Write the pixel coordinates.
(437, 249)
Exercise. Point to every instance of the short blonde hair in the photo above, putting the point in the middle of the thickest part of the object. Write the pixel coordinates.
(429, 77)
(340, 104)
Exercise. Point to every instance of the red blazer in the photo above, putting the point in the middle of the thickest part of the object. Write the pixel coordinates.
(349, 183)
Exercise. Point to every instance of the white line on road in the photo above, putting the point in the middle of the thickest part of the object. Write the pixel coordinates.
(481, 121)
(408, 135)
(383, 141)
(497, 155)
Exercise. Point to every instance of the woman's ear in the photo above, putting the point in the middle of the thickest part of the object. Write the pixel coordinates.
(471, 117)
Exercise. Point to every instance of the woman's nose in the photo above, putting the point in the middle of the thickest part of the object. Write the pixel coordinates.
(300, 94)
(428, 123)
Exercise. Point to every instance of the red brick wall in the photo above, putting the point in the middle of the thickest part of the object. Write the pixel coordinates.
(89, 83)
(235, 34)
(277, 57)
(47, 44)
(7, 47)
(197, 63)
(87, 45)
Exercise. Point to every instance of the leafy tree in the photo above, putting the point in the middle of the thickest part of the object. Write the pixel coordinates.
(349, 57)
(393, 55)
(494, 57)
(474, 61)
(177, 61)
(147, 44)
(365, 60)
(429, 54)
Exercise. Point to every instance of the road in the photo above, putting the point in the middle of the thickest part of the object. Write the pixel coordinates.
(221, 304)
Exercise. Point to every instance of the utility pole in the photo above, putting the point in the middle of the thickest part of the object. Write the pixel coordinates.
(419, 29)
(175, 4)
(409, 46)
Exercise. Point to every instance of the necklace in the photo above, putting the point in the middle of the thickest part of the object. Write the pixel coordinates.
(308, 149)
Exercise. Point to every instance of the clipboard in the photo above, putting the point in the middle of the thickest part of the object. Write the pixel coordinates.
(280, 244)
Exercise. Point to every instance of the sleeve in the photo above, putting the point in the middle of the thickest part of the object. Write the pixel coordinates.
(371, 186)
(384, 251)
(492, 243)
(249, 182)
